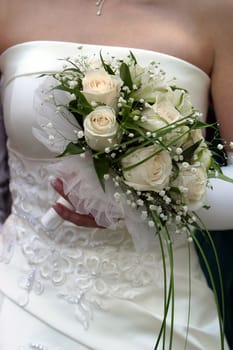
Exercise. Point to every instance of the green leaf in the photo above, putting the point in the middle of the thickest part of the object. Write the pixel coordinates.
(102, 167)
(72, 107)
(201, 125)
(215, 172)
(133, 57)
(189, 152)
(72, 148)
(83, 106)
(107, 67)
(63, 88)
(126, 76)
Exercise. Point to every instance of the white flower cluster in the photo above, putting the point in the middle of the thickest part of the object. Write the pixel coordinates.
(145, 131)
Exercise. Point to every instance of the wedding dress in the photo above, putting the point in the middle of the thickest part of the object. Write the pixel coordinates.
(80, 288)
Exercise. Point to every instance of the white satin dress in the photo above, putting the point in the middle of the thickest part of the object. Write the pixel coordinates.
(77, 288)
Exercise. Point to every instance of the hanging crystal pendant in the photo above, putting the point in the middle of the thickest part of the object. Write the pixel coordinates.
(99, 4)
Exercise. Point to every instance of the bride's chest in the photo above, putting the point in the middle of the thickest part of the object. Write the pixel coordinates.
(147, 25)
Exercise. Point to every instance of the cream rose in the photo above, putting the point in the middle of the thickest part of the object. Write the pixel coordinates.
(194, 180)
(151, 175)
(181, 100)
(203, 153)
(101, 129)
(99, 86)
(160, 114)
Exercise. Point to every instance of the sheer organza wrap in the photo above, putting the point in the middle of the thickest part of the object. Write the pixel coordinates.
(56, 128)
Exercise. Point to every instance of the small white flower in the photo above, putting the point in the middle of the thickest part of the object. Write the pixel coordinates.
(167, 200)
(163, 216)
(117, 196)
(162, 193)
(151, 223)
(80, 134)
(93, 103)
(143, 119)
(179, 150)
(193, 170)
(49, 125)
(220, 146)
(231, 144)
(72, 84)
(140, 202)
(106, 176)
(185, 165)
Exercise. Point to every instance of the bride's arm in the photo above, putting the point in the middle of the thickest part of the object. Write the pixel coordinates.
(220, 198)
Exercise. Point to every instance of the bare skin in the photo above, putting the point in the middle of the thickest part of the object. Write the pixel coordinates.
(200, 32)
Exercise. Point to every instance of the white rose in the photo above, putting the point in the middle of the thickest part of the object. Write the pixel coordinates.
(99, 86)
(160, 114)
(152, 120)
(151, 175)
(194, 136)
(101, 129)
(166, 110)
(194, 180)
(181, 100)
(203, 153)
(205, 156)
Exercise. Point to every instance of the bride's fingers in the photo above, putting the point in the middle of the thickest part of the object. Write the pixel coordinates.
(58, 186)
(75, 218)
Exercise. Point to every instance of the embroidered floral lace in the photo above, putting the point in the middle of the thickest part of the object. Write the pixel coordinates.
(87, 267)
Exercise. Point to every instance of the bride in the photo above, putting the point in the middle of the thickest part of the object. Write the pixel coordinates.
(79, 285)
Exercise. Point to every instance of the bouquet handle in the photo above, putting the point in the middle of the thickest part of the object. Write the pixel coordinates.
(51, 220)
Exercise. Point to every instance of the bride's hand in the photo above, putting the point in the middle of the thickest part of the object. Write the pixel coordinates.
(69, 214)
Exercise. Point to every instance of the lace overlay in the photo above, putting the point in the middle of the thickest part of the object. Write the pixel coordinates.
(87, 267)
